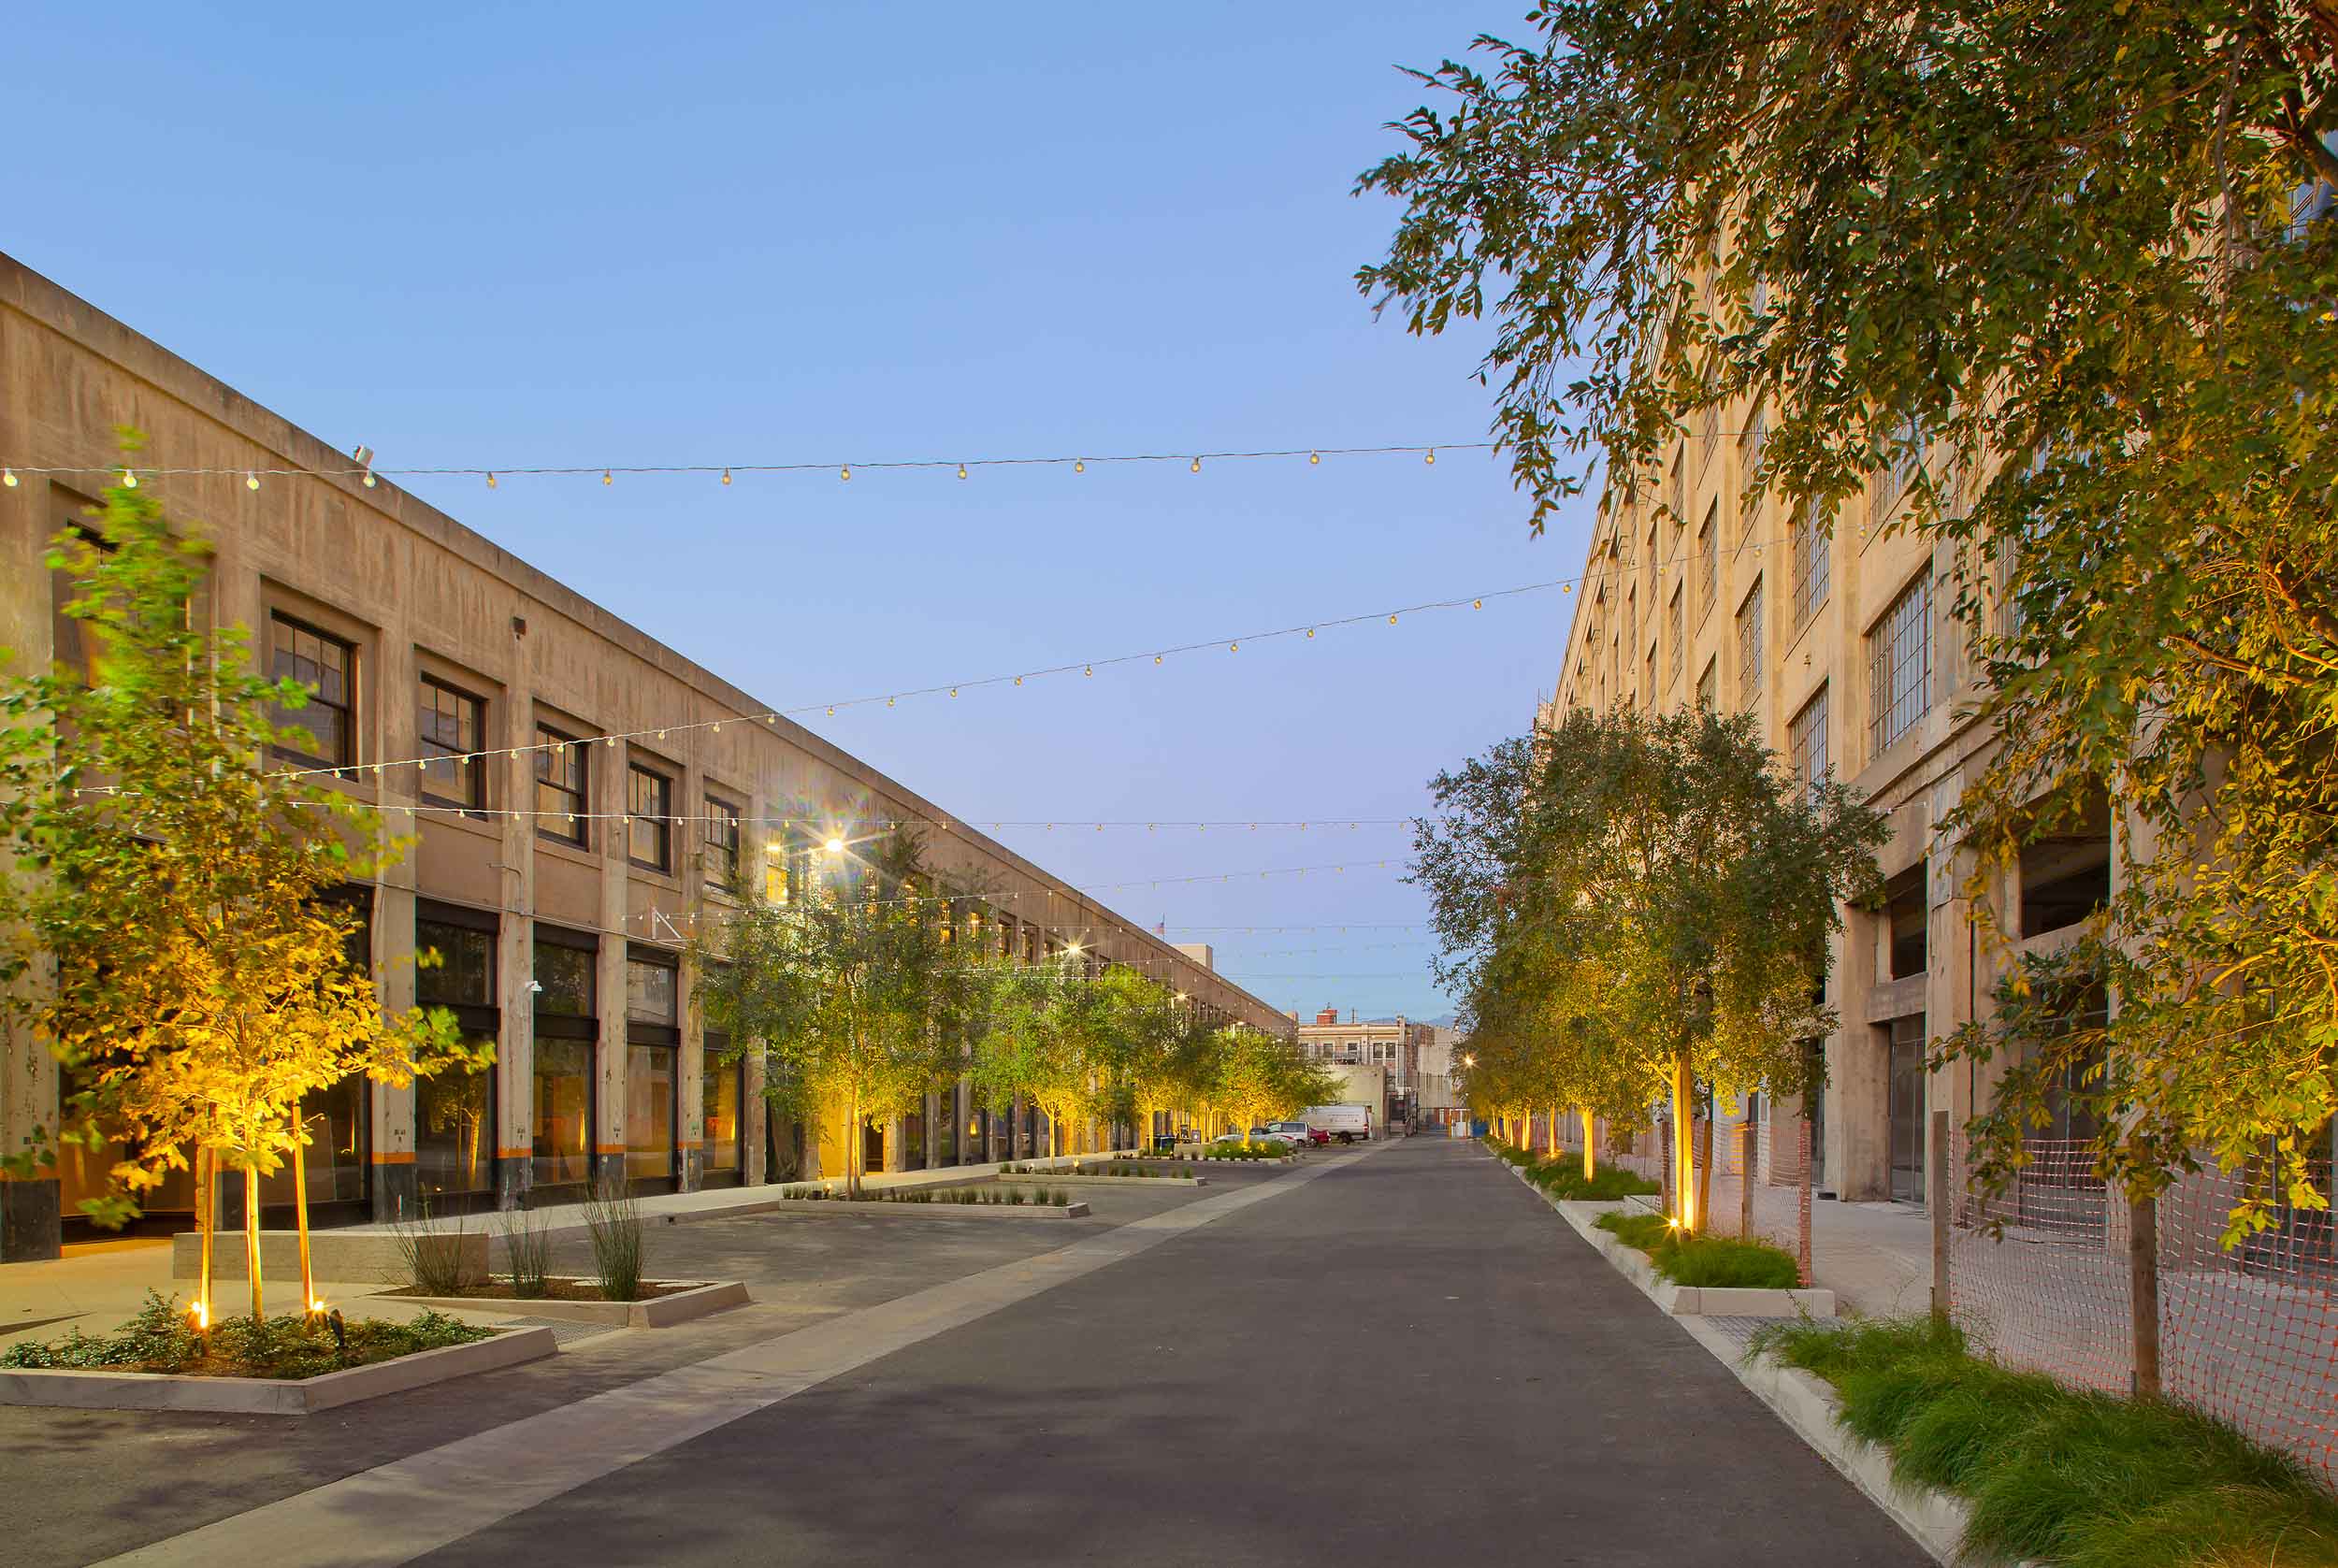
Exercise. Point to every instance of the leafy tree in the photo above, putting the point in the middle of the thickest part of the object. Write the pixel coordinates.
(853, 993)
(1046, 1032)
(2067, 273)
(1148, 1055)
(164, 928)
(1258, 1076)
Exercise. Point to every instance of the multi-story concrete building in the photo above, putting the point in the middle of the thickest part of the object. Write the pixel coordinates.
(1393, 1043)
(1843, 645)
(589, 798)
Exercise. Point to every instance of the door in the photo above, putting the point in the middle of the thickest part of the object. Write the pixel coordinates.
(1906, 1068)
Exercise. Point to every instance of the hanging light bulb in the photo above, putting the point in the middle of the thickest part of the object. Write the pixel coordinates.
(1567, 587)
(725, 476)
(607, 478)
(845, 472)
(1314, 457)
(1310, 633)
(491, 479)
(1477, 604)
(889, 702)
(1234, 647)
(1080, 464)
(1156, 656)
(831, 710)
(1090, 670)
(1392, 620)
(251, 480)
(961, 470)
(7, 477)
(1430, 457)
(1197, 466)
(953, 691)
(1018, 680)
(370, 479)
(129, 479)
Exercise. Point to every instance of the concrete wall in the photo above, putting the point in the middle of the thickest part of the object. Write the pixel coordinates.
(415, 592)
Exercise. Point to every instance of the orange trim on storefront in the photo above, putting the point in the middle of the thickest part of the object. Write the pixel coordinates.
(391, 1158)
(514, 1154)
(608, 1149)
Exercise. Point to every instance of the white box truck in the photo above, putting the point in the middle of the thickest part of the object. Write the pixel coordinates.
(1346, 1123)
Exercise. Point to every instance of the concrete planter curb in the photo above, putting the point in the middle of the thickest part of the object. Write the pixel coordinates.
(1681, 1300)
(658, 1312)
(929, 1211)
(1174, 1184)
(270, 1396)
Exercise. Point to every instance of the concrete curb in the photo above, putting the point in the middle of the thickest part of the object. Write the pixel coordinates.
(1679, 1300)
(270, 1396)
(657, 1312)
(1174, 1184)
(932, 1211)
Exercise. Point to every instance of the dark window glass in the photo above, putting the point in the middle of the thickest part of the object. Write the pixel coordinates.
(1899, 664)
(651, 993)
(455, 1130)
(722, 845)
(720, 1101)
(562, 798)
(465, 975)
(566, 976)
(649, 1112)
(649, 799)
(564, 1111)
(323, 733)
(449, 723)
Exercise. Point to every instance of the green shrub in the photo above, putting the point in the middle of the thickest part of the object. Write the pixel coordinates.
(160, 1339)
(1704, 1260)
(613, 1223)
(438, 1262)
(2085, 1480)
(1562, 1178)
(527, 1250)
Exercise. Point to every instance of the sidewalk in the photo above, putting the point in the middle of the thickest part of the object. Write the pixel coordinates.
(1877, 1257)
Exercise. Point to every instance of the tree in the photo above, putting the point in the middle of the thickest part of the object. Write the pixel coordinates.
(1259, 1075)
(166, 929)
(1047, 1034)
(854, 993)
(1147, 1049)
(2067, 272)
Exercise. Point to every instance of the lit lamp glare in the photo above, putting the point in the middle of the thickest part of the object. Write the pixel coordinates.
(834, 846)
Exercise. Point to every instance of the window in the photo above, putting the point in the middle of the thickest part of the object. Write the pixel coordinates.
(1749, 441)
(1648, 687)
(1750, 646)
(653, 1019)
(1676, 495)
(455, 1109)
(1674, 628)
(1899, 664)
(1708, 685)
(562, 798)
(565, 1029)
(1631, 619)
(649, 801)
(323, 732)
(1809, 543)
(722, 845)
(451, 722)
(1893, 479)
(1805, 743)
(1709, 555)
(652, 992)
(463, 974)
(721, 1095)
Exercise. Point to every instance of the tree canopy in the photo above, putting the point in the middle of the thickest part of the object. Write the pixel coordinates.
(2064, 276)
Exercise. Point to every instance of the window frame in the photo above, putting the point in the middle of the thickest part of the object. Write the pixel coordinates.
(660, 822)
(470, 761)
(1806, 742)
(1812, 567)
(1751, 643)
(1900, 664)
(725, 850)
(551, 741)
(280, 620)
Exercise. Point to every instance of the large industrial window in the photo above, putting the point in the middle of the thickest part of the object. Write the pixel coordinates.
(565, 1029)
(561, 797)
(1709, 557)
(1675, 633)
(454, 1110)
(649, 801)
(722, 845)
(1808, 547)
(1899, 664)
(1750, 646)
(323, 733)
(449, 723)
(1805, 743)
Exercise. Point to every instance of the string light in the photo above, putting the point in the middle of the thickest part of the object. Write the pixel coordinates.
(940, 688)
(250, 481)
(1197, 466)
(725, 476)
(129, 479)
(1313, 458)
(491, 479)
(961, 470)
(606, 478)
(1080, 464)
(1430, 457)
(7, 477)
(845, 472)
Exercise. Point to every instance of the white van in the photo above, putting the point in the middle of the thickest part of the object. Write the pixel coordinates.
(1346, 1123)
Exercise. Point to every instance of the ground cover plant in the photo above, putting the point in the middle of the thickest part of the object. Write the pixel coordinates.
(1564, 1178)
(1704, 1260)
(2082, 1480)
(1272, 1149)
(161, 1338)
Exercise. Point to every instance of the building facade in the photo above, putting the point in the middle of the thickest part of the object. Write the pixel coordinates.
(1393, 1045)
(625, 793)
(1843, 644)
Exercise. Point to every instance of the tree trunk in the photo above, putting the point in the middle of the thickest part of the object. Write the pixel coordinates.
(309, 1302)
(1746, 1160)
(2142, 1266)
(1551, 1134)
(856, 1143)
(1591, 1159)
(1704, 1171)
(1684, 1155)
(206, 1218)
(251, 1236)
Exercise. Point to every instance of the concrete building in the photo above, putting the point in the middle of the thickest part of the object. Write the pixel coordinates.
(1392, 1044)
(1843, 647)
(1434, 1099)
(564, 931)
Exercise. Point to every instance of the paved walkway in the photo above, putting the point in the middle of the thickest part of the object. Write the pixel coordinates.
(1395, 1353)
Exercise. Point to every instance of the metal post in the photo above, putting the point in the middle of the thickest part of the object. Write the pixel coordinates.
(1937, 1174)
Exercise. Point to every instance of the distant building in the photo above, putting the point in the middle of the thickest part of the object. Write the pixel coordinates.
(1393, 1043)
(1434, 1095)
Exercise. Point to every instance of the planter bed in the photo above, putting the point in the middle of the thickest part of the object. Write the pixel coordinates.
(1099, 1178)
(668, 1301)
(101, 1388)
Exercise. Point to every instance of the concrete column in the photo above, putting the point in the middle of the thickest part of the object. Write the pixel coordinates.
(689, 1078)
(515, 948)
(394, 1185)
(609, 1129)
(755, 1121)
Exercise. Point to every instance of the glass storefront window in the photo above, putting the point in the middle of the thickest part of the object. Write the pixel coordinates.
(720, 1104)
(651, 993)
(455, 1130)
(566, 974)
(338, 1144)
(649, 1112)
(463, 974)
(945, 1127)
(564, 1111)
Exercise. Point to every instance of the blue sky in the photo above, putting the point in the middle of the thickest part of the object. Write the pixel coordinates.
(548, 235)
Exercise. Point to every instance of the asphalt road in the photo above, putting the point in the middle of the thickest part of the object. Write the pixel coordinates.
(1406, 1357)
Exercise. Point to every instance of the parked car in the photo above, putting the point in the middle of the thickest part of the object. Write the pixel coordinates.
(1297, 1134)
